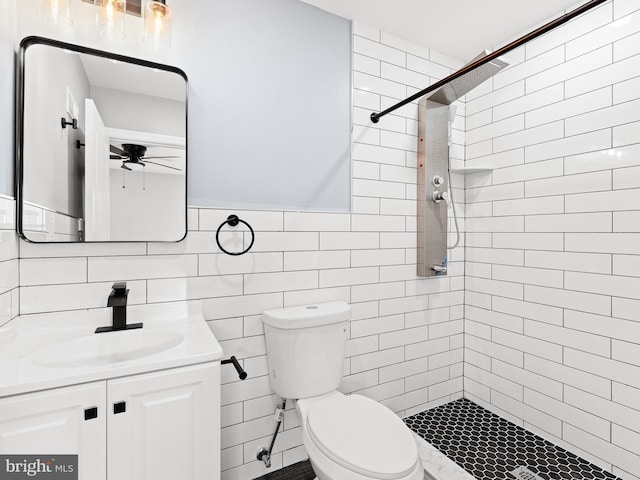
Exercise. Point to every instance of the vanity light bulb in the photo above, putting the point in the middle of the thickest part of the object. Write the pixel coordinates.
(55, 12)
(110, 17)
(157, 25)
(109, 12)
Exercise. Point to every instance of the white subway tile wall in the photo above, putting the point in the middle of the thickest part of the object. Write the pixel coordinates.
(406, 338)
(9, 263)
(552, 322)
(45, 225)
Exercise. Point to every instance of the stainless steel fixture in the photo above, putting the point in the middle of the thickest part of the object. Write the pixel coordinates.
(433, 180)
(434, 186)
(460, 86)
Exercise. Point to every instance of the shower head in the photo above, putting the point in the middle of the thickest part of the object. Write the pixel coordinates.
(460, 86)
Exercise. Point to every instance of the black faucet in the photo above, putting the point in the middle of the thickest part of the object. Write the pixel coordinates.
(118, 301)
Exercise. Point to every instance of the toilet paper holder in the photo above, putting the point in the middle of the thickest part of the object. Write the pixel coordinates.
(234, 361)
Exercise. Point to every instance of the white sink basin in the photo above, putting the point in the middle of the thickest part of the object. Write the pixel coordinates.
(107, 348)
(50, 350)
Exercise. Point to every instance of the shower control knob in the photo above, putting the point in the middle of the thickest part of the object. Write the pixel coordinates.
(437, 180)
(445, 197)
(438, 196)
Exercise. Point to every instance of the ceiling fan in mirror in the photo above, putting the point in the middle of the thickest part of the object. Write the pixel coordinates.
(134, 154)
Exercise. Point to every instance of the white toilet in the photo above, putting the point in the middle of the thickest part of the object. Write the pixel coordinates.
(346, 437)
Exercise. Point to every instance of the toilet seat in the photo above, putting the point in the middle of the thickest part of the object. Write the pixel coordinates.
(363, 436)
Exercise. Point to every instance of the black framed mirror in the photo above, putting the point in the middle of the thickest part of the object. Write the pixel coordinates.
(101, 146)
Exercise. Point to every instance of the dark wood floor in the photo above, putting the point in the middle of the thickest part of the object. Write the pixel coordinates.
(297, 471)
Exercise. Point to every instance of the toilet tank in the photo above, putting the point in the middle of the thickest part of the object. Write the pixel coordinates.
(306, 346)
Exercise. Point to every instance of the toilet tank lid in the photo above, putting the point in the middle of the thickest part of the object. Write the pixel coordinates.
(305, 316)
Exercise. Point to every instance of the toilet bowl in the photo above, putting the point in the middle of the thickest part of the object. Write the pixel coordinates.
(356, 438)
(347, 437)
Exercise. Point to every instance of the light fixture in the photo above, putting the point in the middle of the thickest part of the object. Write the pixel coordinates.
(56, 12)
(110, 17)
(157, 24)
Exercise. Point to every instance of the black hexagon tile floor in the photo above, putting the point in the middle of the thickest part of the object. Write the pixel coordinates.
(490, 447)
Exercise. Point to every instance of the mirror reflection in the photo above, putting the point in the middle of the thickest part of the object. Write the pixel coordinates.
(103, 150)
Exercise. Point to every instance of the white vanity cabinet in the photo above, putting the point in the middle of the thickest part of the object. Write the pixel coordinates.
(162, 425)
(53, 422)
(170, 428)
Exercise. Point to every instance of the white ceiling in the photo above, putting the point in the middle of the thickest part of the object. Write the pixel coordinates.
(458, 28)
(130, 77)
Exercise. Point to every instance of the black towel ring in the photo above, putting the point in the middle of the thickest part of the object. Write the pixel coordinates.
(233, 221)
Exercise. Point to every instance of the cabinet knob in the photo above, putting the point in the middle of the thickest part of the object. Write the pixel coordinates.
(90, 413)
(119, 407)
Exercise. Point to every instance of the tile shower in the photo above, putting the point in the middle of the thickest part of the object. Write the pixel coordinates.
(552, 331)
(538, 320)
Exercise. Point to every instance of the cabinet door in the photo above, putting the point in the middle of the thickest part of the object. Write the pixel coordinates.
(168, 427)
(53, 422)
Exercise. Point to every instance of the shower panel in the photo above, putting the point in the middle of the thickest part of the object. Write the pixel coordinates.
(433, 183)
(434, 187)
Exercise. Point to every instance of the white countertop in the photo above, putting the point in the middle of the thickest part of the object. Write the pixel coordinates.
(30, 345)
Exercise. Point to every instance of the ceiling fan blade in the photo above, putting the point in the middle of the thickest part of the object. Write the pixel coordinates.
(118, 151)
(165, 166)
(116, 157)
(133, 161)
(123, 166)
(171, 156)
